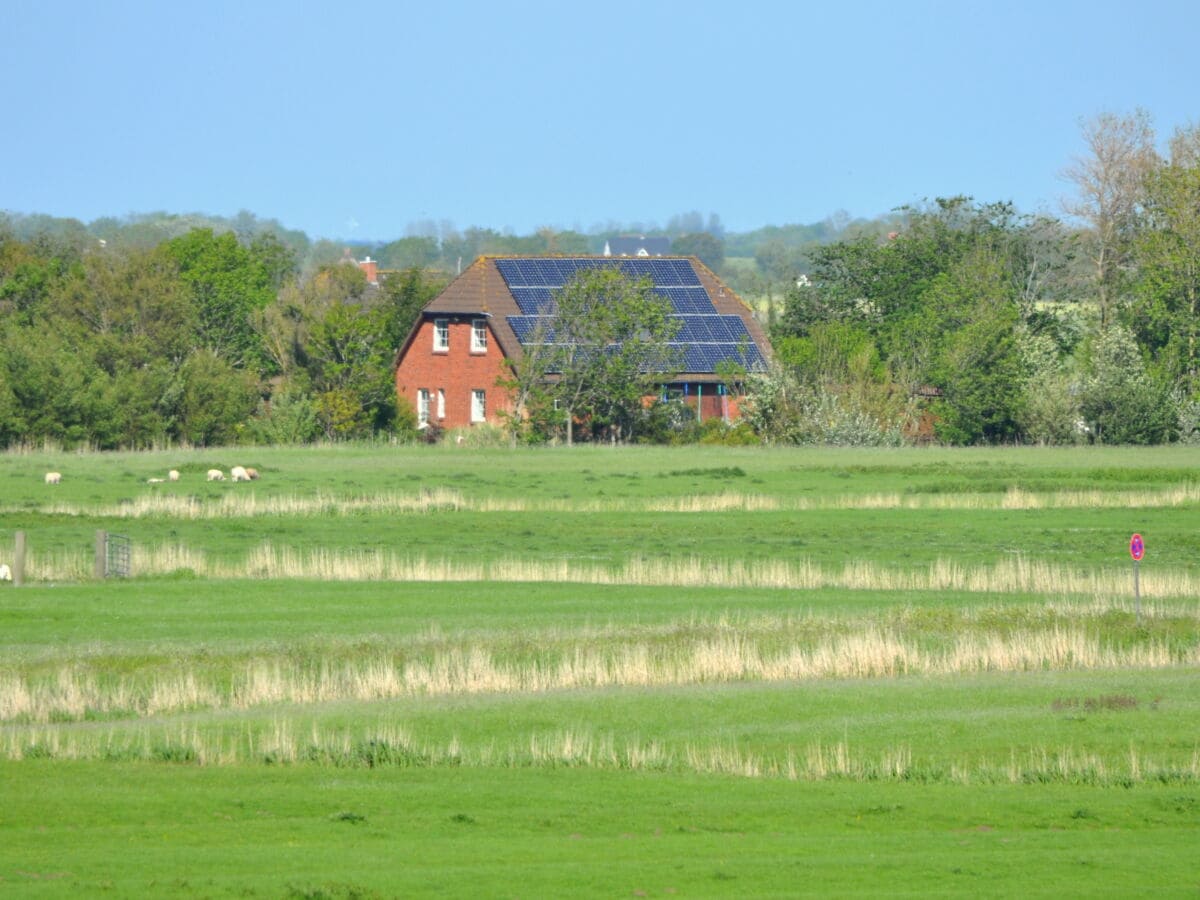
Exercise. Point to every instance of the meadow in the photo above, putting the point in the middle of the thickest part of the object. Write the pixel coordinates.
(385, 671)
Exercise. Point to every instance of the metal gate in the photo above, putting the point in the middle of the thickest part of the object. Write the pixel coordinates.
(116, 556)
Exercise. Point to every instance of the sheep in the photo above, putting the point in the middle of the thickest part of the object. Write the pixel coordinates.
(238, 473)
(173, 475)
(215, 475)
(252, 473)
(5, 572)
(53, 477)
(154, 481)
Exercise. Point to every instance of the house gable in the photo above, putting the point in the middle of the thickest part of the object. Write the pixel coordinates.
(511, 294)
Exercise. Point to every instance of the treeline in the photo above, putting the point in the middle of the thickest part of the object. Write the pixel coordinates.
(970, 323)
(202, 338)
(955, 321)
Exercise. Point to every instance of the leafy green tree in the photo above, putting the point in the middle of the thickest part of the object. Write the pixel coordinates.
(350, 369)
(130, 305)
(1050, 410)
(409, 252)
(210, 400)
(1165, 313)
(277, 258)
(402, 296)
(603, 349)
(709, 249)
(1121, 402)
(963, 341)
(228, 284)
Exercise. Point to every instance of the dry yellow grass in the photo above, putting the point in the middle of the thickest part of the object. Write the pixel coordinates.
(249, 504)
(268, 561)
(714, 656)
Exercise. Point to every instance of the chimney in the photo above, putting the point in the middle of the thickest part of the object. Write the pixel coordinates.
(370, 268)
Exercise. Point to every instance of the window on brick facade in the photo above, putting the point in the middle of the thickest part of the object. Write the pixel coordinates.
(422, 407)
(441, 409)
(479, 336)
(478, 406)
(441, 334)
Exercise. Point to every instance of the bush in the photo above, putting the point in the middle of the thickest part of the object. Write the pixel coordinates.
(781, 409)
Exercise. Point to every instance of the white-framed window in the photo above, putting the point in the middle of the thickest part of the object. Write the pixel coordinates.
(478, 406)
(422, 407)
(441, 408)
(479, 335)
(441, 335)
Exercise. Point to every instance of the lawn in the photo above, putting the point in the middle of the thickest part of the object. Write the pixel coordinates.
(387, 671)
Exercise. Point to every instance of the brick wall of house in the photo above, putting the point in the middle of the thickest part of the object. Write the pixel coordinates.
(457, 371)
(712, 404)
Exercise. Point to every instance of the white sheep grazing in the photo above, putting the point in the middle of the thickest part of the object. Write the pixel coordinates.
(238, 473)
(252, 473)
(53, 477)
(173, 475)
(216, 475)
(5, 572)
(154, 481)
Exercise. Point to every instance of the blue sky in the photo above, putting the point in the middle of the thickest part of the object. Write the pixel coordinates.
(356, 120)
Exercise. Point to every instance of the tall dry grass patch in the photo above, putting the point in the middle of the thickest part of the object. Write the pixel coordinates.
(248, 504)
(715, 655)
(1015, 575)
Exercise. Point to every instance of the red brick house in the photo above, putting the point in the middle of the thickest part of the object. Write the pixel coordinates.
(448, 366)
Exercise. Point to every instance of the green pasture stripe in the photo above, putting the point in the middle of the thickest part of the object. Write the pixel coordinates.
(143, 616)
(141, 830)
(597, 471)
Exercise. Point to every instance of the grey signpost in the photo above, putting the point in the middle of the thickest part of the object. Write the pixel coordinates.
(1137, 549)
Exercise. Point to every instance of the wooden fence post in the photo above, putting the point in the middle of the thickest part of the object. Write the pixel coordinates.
(100, 565)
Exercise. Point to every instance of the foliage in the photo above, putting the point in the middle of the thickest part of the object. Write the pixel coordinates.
(602, 350)
(1120, 402)
(211, 400)
(228, 283)
(286, 418)
(782, 408)
(402, 296)
(1050, 409)
(709, 249)
(1165, 310)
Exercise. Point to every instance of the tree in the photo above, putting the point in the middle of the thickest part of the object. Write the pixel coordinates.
(709, 249)
(1165, 313)
(402, 296)
(1110, 181)
(1121, 403)
(228, 283)
(975, 358)
(409, 252)
(602, 348)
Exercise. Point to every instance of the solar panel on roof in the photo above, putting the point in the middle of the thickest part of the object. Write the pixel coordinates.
(703, 341)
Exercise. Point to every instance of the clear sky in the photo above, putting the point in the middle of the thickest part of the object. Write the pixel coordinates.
(355, 120)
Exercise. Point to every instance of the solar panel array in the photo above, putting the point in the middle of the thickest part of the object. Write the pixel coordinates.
(703, 341)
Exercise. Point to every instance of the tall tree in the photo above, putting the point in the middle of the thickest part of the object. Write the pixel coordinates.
(228, 284)
(602, 349)
(1110, 181)
(1165, 313)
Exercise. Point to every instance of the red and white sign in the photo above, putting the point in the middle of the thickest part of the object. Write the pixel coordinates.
(1137, 549)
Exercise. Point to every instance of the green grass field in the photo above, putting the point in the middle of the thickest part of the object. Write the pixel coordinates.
(601, 671)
